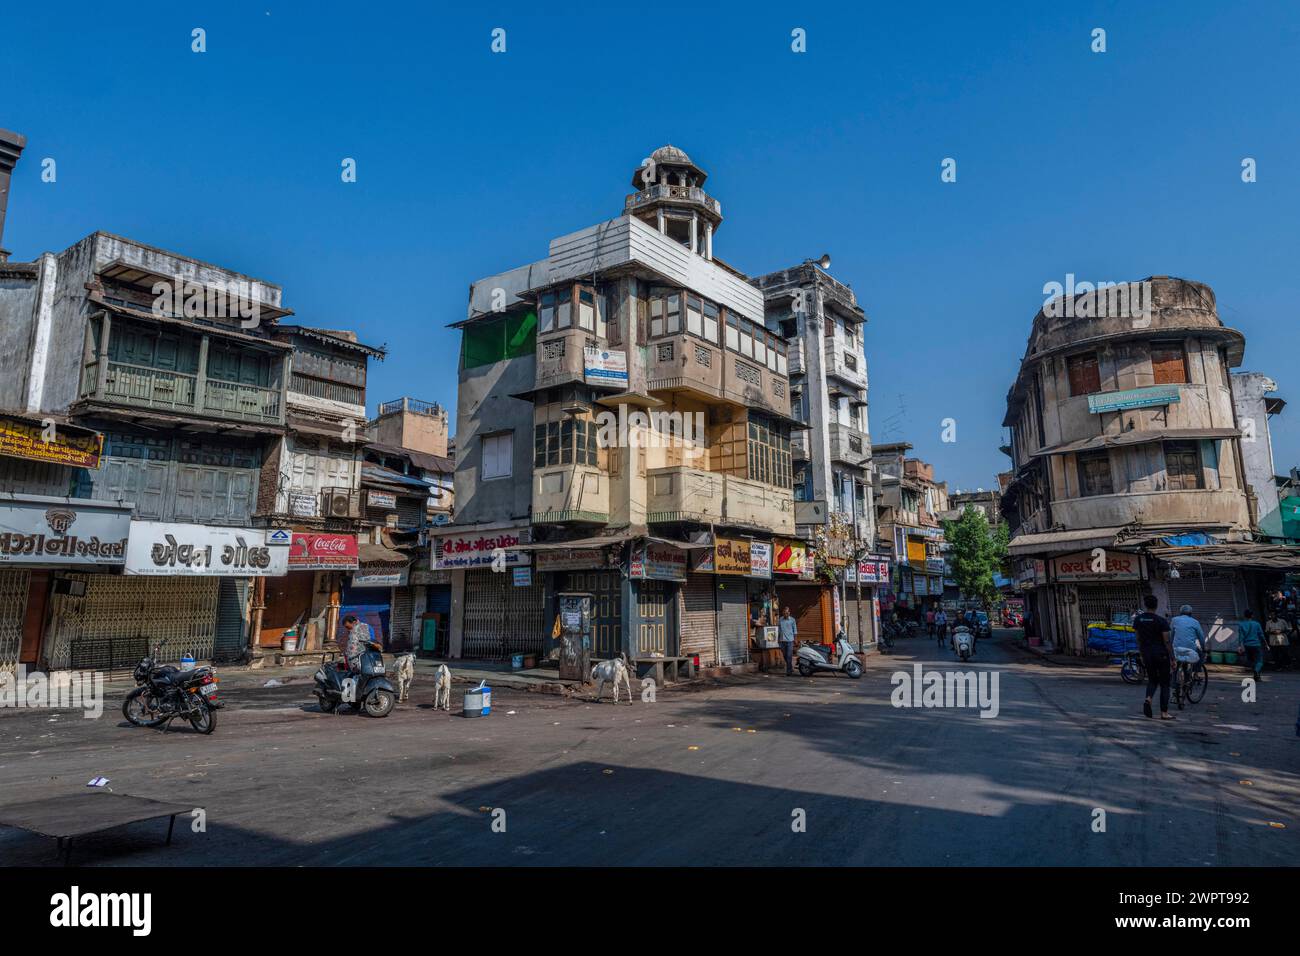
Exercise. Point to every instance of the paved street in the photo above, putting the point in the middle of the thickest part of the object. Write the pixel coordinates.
(707, 775)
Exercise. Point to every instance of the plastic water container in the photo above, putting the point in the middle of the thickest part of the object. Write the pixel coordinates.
(517, 662)
(187, 662)
(478, 701)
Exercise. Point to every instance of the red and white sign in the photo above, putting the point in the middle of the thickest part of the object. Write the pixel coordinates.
(454, 551)
(1086, 566)
(323, 551)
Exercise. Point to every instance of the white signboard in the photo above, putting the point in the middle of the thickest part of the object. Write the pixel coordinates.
(41, 531)
(476, 550)
(302, 506)
(605, 366)
(760, 559)
(163, 548)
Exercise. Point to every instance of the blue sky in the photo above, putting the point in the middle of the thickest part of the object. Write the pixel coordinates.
(1110, 166)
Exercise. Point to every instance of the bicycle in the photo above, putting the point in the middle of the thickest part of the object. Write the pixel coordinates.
(1190, 682)
(1133, 670)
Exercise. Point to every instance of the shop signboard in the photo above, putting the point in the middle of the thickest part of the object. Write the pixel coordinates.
(1085, 566)
(657, 562)
(789, 557)
(322, 552)
(477, 550)
(159, 548)
(760, 559)
(47, 440)
(35, 530)
(731, 556)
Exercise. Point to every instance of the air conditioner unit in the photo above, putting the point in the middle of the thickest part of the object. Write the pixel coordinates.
(341, 503)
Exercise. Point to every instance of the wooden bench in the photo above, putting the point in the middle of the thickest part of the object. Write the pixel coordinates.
(71, 815)
(659, 665)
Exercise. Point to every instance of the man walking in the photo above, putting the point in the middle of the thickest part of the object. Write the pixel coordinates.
(787, 629)
(1279, 640)
(1252, 639)
(941, 624)
(1157, 654)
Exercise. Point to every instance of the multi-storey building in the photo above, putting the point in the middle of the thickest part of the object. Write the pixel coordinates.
(1128, 463)
(171, 360)
(909, 506)
(1255, 404)
(311, 486)
(833, 498)
(623, 430)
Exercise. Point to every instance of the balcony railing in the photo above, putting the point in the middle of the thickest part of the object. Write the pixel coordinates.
(330, 391)
(155, 388)
(146, 387)
(664, 191)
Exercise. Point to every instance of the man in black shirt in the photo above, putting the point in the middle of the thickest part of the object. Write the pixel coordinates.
(1157, 654)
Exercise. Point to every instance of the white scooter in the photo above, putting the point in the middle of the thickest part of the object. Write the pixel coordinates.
(811, 660)
(963, 642)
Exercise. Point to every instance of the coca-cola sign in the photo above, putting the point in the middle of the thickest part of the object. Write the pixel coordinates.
(323, 551)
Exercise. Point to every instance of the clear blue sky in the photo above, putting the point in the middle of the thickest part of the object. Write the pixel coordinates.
(1112, 166)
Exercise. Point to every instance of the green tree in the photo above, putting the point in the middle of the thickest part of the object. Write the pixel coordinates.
(976, 552)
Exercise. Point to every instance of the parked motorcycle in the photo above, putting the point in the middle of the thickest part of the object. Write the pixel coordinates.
(165, 692)
(963, 642)
(810, 659)
(369, 690)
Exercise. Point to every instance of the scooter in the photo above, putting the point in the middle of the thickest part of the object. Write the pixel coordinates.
(810, 660)
(963, 642)
(369, 690)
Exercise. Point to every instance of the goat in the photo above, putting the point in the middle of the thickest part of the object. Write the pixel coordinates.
(611, 671)
(404, 673)
(442, 688)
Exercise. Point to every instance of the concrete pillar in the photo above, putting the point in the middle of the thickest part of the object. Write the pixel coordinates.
(708, 241)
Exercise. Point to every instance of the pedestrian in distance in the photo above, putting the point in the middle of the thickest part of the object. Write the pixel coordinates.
(941, 625)
(929, 619)
(1252, 641)
(787, 630)
(1278, 632)
(1157, 654)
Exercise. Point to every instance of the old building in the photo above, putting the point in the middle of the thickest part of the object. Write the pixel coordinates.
(310, 486)
(909, 531)
(1124, 438)
(623, 430)
(1255, 404)
(171, 361)
(834, 504)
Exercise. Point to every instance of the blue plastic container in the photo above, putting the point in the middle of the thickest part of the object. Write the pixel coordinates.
(478, 701)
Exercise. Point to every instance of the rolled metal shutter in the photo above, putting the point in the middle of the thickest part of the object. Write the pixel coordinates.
(232, 604)
(13, 609)
(699, 623)
(733, 621)
(399, 621)
(1099, 602)
(1213, 604)
(805, 603)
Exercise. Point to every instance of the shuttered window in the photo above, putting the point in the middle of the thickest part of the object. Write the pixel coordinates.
(1169, 363)
(1085, 374)
(1094, 474)
(1183, 466)
(497, 453)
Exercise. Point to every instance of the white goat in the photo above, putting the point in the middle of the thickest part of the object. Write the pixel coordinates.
(442, 688)
(611, 671)
(404, 674)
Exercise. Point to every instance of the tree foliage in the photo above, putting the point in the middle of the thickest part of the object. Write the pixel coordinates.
(976, 553)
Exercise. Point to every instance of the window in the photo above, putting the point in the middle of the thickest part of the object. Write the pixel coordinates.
(1085, 374)
(572, 441)
(673, 314)
(497, 339)
(546, 312)
(733, 332)
(803, 483)
(563, 308)
(498, 451)
(771, 351)
(746, 339)
(1094, 474)
(587, 310)
(781, 358)
(769, 451)
(711, 322)
(760, 347)
(694, 316)
(1183, 466)
(656, 317)
(1169, 363)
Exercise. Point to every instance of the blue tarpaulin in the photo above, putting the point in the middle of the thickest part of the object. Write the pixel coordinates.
(1111, 638)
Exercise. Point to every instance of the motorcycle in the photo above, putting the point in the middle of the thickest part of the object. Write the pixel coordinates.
(164, 693)
(963, 642)
(810, 659)
(369, 690)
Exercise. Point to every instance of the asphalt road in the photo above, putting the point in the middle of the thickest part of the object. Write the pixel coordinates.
(722, 773)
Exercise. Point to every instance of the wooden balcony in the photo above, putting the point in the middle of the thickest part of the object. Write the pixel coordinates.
(692, 494)
(570, 493)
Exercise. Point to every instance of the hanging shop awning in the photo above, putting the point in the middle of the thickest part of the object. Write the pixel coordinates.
(1136, 438)
(1243, 555)
(1050, 541)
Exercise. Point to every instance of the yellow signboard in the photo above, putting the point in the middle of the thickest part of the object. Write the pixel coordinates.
(916, 553)
(731, 556)
(48, 441)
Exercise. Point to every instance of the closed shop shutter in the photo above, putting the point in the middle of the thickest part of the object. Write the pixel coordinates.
(858, 638)
(1100, 602)
(805, 602)
(120, 617)
(402, 614)
(500, 618)
(232, 603)
(13, 609)
(699, 627)
(410, 512)
(733, 621)
(1211, 596)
